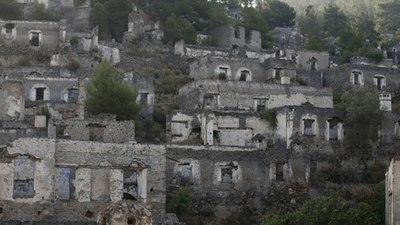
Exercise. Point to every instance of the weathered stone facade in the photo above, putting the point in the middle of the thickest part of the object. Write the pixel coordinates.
(49, 172)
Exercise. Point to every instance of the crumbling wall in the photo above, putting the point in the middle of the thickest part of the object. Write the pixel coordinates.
(109, 131)
(305, 58)
(90, 173)
(211, 67)
(12, 104)
(241, 95)
(309, 129)
(48, 34)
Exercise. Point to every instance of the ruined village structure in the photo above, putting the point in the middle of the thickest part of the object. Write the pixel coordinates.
(60, 165)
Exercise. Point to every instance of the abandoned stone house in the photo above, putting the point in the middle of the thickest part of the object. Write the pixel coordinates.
(68, 180)
(392, 193)
(32, 34)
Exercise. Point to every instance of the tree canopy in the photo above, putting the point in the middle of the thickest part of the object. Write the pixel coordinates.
(278, 14)
(106, 93)
(10, 10)
(362, 121)
(40, 12)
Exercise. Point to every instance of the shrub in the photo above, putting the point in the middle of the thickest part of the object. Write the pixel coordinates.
(40, 12)
(74, 41)
(270, 116)
(178, 27)
(10, 10)
(180, 202)
(73, 65)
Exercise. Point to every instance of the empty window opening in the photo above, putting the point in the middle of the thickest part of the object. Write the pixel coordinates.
(1, 210)
(210, 102)
(244, 75)
(278, 54)
(237, 33)
(130, 185)
(143, 98)
(333, 129)
(397, 130)
(8, 31)
(380, 82)
(96, 132)
(34, 39)
(357, 78)
(131, 220)
(308, 127)
(223, 70)
(40, 94)
(89, 214)
(278, 73)
(65, 183)
(226, 175)
(73, 94)
(279, 172)
(23, 178)
(313, 64)
(186, 174)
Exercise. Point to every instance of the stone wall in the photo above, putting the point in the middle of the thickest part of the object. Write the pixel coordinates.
(223, 129)
(305, 59)
(340, 77)
(392, 201)
(22, 33)
(109, 131)
(97, 180)
(308, 129)
(240, 95)
(12, 103)
(211, 68)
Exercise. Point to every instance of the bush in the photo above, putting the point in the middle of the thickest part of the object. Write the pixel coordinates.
(334, 210)
(74, 41)
(178, 27)
(10, 10)
(180, 202)
(40, 12)
(270, 116)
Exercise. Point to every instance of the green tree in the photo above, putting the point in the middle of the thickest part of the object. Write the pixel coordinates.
(99, 17)
(388, 16)
(178, 27)
(362, 121)
(106, 93)
(40, 12)
(310, 27)
(253, 20)
(10, 10)
(118, 11)
(335, 210)
(334, 20)
(278, 14)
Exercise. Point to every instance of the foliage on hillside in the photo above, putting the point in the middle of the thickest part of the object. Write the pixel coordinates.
(10, 10)
(111, 16)
(362, 208)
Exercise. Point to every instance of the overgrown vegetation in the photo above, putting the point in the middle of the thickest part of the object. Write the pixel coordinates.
(40, 12)
(106, 93)
(362, 121)
(270, 116)
(111, 16)
(10, 10)
(360, 208)
(180, 201)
